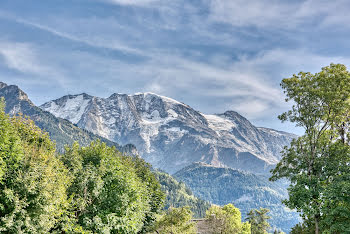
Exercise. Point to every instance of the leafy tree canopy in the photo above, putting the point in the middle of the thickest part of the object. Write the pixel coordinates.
(317, 163)
(226, 219)
(33, 181)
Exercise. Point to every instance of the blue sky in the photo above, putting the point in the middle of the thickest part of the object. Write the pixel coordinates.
(214, 55)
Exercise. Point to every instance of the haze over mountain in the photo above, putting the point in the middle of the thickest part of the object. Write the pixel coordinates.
(170, 134)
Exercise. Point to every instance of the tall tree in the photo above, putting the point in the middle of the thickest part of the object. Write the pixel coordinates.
(258, 221)
(321, 106)
(154, 193)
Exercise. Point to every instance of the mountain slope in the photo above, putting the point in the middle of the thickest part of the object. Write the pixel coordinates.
(60, 130)
(171, 135)
(179, 195)
(245, 190)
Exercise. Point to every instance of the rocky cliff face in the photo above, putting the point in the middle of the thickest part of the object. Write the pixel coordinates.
(170, 134)
(60, 130)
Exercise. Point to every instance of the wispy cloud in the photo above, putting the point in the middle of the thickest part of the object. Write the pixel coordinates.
(29, 64)
(132, 2)
(88, 40)
(212, 54)
(21, 57)
(280, 14)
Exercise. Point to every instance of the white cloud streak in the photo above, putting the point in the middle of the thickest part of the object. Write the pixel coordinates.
(21, 57)
(279, 14)
(247, 84)
(88, 40)
(133, 2)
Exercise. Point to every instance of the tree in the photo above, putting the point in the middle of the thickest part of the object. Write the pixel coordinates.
(33, 181)
(106, 193)
(258, 221)
(278, 232)
(226, 220)
(306, 227)
(322, 107)
(154, 193)
(176, 221)
(336, 199)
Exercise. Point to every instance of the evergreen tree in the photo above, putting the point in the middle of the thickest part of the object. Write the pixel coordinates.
(258, 221)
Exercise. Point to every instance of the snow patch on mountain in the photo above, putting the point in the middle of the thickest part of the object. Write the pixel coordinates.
(73, 108)
(219, 123)
(170, 134)
(149, 95)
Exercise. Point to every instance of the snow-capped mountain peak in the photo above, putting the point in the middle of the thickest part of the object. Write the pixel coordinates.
(170, 134)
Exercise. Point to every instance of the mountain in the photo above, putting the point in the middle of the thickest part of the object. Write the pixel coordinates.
(179, 195)
(170, 134)
(246, 191)
(60, 130)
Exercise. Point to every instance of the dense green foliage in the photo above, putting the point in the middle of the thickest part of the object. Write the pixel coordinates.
(306, 227)
(245, 190)
(179, 195)
(33, 181)
(258, 220)
(176, 221)
(107, 193)
(93, 189)
(226, 220)
(317, 163)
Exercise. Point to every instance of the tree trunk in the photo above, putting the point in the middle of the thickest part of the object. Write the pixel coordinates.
(317, 228)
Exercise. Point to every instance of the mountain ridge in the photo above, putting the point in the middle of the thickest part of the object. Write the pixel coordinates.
(170, 134)
(62, 131)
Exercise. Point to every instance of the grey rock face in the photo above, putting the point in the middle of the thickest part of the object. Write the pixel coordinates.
(60, 130)
(171, 135)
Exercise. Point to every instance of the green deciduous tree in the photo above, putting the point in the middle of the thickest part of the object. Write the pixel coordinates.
(226, 219)
(317, 163)
(258, 220)
(107, 195)
(154, 193)
(176, 221)
(32, 180)
(307, 227)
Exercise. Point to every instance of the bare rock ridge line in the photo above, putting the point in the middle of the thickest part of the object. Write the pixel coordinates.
(170, 134)
(61, 131)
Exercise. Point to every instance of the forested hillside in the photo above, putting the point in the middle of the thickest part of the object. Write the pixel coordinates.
(245, 190)
(179, 195)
